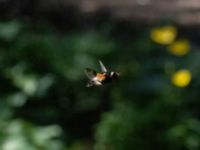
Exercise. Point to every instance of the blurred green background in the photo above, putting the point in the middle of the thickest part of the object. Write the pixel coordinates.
(44, 104)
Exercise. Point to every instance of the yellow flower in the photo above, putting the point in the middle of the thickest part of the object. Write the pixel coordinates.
(179, 48)
(164, 35)
(181, 78)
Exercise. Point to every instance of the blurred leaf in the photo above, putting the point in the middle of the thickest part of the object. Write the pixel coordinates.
(8, 30)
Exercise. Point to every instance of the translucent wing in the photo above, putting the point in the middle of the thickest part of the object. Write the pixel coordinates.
(89, 84)
(90, 73)
(103, 68)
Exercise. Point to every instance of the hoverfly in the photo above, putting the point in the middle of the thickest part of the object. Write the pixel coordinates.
(101, 78)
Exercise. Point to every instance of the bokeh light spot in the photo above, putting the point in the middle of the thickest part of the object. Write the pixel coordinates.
(163, 35)
(179, 48)
(181, 78)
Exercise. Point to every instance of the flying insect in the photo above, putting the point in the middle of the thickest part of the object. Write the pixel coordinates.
(100, 78)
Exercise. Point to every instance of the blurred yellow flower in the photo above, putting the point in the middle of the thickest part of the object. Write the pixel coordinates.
(181, 78)
(179, 48)
(163, 35)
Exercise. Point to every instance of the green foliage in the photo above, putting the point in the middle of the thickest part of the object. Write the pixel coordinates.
(21, 135)
(45, 105)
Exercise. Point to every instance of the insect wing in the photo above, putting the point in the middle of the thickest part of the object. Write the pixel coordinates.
(90, 73)
(89, 84)
(103, 68)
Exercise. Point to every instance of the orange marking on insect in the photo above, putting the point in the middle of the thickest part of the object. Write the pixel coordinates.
(100, 76)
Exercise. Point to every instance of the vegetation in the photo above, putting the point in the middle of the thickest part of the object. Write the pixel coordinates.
(46, 106)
